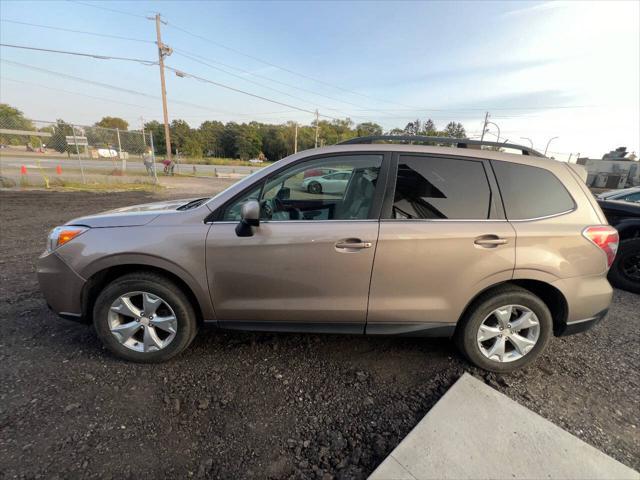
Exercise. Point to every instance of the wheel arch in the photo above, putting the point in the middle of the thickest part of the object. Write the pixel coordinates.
(96, 283)
(550, 295)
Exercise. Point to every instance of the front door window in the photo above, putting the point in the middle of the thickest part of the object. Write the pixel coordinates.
(332, 188)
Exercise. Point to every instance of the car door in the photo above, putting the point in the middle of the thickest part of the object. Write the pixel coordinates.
(443, 239)
(308, 264)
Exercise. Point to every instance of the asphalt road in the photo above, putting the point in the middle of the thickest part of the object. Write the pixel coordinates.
(8, 161)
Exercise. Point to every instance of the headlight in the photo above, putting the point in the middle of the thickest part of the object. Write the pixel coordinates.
(61, 235)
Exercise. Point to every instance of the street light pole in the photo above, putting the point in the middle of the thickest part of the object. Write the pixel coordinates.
(496, 125)
(547, 147)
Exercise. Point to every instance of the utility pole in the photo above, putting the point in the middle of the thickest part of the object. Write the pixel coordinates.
(484, 126)
(317, 126)
(295, 144)
(163, 51)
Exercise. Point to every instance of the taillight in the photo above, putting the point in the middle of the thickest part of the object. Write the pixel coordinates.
(606, 238)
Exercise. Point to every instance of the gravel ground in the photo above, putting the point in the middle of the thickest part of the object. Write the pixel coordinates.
(250, 405)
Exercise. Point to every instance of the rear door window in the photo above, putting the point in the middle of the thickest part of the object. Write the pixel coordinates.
(441, 188)
(530, 192)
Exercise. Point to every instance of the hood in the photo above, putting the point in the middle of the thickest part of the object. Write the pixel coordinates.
(132, 216)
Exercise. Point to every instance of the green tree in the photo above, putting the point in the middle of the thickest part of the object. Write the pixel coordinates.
(455, 130)
(413, 128)
(210, 135)
(429, 128)
(156, 129)
(58, 139)
(113, 122)
(274, 142)
(13, 119)
(368, 129)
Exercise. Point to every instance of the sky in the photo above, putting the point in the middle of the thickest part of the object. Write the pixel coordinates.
(541, 69)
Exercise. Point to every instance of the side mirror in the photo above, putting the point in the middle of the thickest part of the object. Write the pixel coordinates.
(250, 218)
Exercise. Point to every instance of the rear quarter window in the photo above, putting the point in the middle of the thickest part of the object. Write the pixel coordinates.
(530, 192)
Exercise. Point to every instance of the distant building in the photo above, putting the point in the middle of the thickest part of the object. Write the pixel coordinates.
(616, 169)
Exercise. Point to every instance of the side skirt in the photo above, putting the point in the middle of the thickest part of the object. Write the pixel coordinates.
(291, 327)
(412, 329)
(390, 329)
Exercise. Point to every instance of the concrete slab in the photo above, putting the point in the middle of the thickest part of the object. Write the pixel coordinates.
(475, 431)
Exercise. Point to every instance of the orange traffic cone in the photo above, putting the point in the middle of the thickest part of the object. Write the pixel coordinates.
(59, 170)
(23, 170)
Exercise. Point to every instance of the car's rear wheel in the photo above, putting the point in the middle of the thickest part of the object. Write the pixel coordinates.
(625, 271)
(314, 187)
(505, 329)
(144, 317)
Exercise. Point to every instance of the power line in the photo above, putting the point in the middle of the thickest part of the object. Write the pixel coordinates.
(346, 90)
(183, 74)
(194, 59)
(202, 60)
(124, 90)
(269, 79)
(284, 69)
(238, 52)
(70, 92)
(107, 9)
(80, 54)
(72, 77)
(83, 32)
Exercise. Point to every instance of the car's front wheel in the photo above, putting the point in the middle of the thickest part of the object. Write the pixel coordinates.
(144, 317)
(505, 329)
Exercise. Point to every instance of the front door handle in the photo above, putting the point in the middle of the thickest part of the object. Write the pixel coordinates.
(490, 241)
(352, 244)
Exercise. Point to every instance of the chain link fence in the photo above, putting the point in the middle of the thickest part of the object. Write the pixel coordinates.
(77, 151)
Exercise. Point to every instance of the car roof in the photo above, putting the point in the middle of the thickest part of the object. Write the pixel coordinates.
(436, 150)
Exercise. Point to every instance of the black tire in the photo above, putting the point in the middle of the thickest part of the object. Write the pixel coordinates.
(155, 284)
(314, 187)
(621, 274)
(466, 332)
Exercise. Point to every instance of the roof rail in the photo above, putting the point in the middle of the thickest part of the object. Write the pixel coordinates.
(458, 142)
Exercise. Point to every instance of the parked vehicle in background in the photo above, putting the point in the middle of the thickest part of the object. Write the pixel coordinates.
(331, 183)
(625, 217)
(626, 195)
(317, 172)
(498, 251)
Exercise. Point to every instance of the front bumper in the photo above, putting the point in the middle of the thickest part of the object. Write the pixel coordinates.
(579, 326)
(60, 285)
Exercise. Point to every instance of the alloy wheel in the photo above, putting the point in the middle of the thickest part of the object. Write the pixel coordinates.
(142, 321)
(508, 333)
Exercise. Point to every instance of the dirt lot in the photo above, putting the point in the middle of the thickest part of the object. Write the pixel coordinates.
(259, 405)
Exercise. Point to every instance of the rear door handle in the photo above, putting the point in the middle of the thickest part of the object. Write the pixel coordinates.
(490, 241)
(352, 244)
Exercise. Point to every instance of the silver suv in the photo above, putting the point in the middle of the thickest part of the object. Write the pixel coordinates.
(499, 251)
